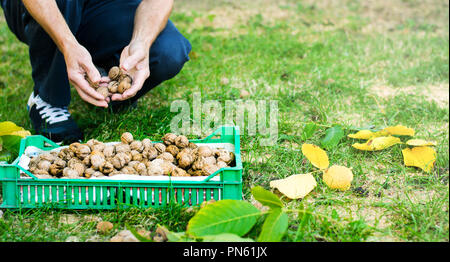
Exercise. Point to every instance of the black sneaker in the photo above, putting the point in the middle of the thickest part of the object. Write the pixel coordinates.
(55, 123)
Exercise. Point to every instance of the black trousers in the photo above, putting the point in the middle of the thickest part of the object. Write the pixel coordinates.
(104, 28)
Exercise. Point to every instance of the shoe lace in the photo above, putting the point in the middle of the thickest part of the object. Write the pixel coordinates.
(50, 113)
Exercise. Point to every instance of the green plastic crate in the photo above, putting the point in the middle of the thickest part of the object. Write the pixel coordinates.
(111, 194)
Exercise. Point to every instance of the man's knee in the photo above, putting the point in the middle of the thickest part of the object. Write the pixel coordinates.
(169, 54)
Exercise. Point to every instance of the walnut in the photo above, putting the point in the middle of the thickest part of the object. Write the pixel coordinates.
(97, 174)
(78, 167)
(126, 138)
(141, 169)
(136, 156)
(47, 156)
(57, 167)
(44, 165)
(104, 91)
(154, 167)
(147, 143)
(204, 151)
(113, 87)
(88, 172)
(120, 160)
(173, 150)
(121, 147)
(209, 169)
(109, 151)
(201, 162)
(40, 172)
(128, 170)
(66, 154)
(114, 73)
(70, 173)
(221, 164)
(166, 156)
(169, 139)
(137, 145)
(167, 167)
(150, 153)
(82, 151)
(225, 156)
(185, 159)
(106, 168)
(160, 147)
(44, 176)
(192, 145)
(86, 161)
(97, 160)
(181, 141)
(123, 86)
(98, 147)
(179, 172)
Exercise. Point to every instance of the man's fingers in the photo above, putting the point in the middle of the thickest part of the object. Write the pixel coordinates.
(89, 99)
(92, 73)
(131, 61)
(82, 84)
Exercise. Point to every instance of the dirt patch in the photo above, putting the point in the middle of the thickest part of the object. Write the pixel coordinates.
(433, 93)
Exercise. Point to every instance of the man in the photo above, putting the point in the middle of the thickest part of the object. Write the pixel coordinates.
(71, 39)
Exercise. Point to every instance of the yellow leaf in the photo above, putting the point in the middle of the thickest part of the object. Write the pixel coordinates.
(22, 133)
(420, 142)
(399, 130)
(367, 134)
(317, 156)
(295, 186)
(422, 157)
(7, 127)
(377, 143)
(338, 177)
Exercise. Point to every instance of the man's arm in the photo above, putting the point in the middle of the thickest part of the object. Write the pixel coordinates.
(150, 19)
(77, 58)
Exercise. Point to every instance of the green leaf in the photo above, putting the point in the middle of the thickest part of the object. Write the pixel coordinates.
(178, 237)
(266, 197)
(226, 237)
(274, 226)
(224, 216)
(309, 130)
(12, 143)
(332, 137)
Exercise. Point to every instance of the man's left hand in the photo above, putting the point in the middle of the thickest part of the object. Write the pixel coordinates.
(135, 61)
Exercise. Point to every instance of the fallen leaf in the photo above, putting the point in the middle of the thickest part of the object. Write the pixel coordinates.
(367, 134)
(7, 127)
(423, 157)
(399, 130)
(317, 156)
(377, 143)
(295, 186)
(420, 142)
(338, 177)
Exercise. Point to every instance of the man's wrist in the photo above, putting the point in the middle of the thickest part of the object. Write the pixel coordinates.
(67, 44)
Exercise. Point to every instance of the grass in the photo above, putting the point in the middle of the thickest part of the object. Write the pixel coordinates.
(332, 62)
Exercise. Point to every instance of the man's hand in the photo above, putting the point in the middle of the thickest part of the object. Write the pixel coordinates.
(135, 61)
(79, 63)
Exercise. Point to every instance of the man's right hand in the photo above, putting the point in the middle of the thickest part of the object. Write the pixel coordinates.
(79, 63)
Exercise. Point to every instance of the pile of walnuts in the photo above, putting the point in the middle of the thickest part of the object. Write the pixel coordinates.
(176, 156)
(120, 82)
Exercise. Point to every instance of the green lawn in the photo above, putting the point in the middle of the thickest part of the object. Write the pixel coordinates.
(335, 62)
